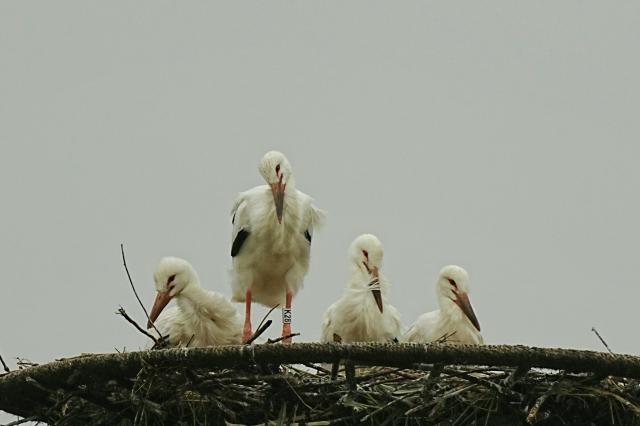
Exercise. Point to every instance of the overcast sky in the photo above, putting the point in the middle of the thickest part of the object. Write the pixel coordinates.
(502, 137)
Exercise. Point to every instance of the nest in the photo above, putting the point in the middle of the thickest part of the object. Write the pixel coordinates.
(377, 384)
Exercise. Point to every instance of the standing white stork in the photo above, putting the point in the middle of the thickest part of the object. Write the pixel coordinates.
(272, 229)
(201, 317)
(363, 314)
(455, 320)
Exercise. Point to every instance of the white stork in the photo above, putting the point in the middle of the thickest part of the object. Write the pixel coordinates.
(363, 313)
(272, 229)
(455, 322)
(201, 317)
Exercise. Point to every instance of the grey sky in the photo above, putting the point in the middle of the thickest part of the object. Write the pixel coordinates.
(502, 137)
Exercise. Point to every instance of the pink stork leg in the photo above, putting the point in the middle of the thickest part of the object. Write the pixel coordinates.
(286, 318)
(246, 332)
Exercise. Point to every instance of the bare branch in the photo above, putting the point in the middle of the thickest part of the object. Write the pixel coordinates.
(6, 368)
(532, 417)
(516, 375)
(124, 262)
(316, 367)
(279, 339)
(445, 337)
(124, 315)
(601, 339)
(190, 340)
(261, 329)
(24, 363)
(430, 379)
(267, 315)
(22, 421)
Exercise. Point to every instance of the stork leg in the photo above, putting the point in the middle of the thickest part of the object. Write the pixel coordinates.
(286, 318)
(246, 332)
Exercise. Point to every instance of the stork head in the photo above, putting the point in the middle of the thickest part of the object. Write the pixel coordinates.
(366, 253)
(171, 277)
(276, 171)
(453, 292)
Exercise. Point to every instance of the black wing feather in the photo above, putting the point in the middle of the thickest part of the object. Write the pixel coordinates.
(307, 235)
(238, 242)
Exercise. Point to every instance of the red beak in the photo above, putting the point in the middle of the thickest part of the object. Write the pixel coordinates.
(463, 302)
(162, 299)
(278, 198)
(377, 295)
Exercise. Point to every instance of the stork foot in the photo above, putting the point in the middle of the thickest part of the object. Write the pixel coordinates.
(246, 333)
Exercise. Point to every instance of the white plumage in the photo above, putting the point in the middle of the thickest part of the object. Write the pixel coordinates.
(455, 320)
(200, 317)
(363, 313)
(272, 230)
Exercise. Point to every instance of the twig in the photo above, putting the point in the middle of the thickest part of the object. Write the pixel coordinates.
(189, 342)
(445, 337)
(261, 329)
(516, 375)
(350, 374)
(532, 417)
(601, 339)
(430, 379)
(124, 315)
(316, 367)
(390, 403)
(83, 355)
(21, 421)
(267, 314)
(23, 362)
(335, 367)
(297, 394)
(6, 368)
(124, 262)
(280, 339)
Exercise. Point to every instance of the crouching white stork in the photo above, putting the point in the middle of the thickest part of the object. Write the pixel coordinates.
(200, 317)
(455, 321)
(363, 313)
(272, 229)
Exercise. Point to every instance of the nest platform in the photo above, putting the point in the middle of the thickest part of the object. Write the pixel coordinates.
(437, 384)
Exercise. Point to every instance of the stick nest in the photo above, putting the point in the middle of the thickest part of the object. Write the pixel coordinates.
(399, 384)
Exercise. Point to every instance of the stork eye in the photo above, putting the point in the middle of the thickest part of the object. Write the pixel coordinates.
(366, 254)
(452, 282)
(278, 169)
(171, 278)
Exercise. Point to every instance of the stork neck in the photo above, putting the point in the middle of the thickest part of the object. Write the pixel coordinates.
(191, 296)
(291, 183)
(359, 275)
(449, 309)
(200, 303)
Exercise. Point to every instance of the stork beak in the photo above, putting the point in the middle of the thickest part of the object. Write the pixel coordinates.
(162, 299)
(463, 302)
(377, 295)
(278, 198)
